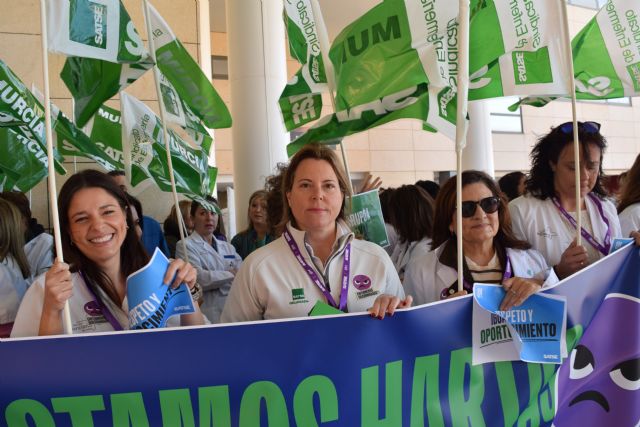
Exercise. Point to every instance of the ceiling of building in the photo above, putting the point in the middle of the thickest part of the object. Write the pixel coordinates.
(337, 13)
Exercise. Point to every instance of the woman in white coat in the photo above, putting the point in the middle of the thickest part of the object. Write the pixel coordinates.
(411, 215)
(491, 253)
(545, 215)
(629, 206)
(215, 260)
(317, 257)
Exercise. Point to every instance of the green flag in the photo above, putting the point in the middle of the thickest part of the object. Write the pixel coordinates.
(145, 154)
(365, 217)
(186, 77)
(105, 131)
(606, 55)
(21, 160)
(21, 111)
(301, 100)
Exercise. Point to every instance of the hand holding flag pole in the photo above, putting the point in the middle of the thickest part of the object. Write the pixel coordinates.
(323, 38)
(576, 140)
(53, 194)
(461, 124)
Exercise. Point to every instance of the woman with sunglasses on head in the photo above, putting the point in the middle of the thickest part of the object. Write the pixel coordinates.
(545, 215)
(102, 248)
(491, 252)
(317, 257)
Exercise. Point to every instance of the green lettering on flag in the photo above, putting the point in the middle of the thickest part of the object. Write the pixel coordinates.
(188, 80)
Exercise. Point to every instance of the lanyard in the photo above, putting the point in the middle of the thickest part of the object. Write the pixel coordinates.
(508, 273)
(604, 250)
(314, 276)
(105, 310)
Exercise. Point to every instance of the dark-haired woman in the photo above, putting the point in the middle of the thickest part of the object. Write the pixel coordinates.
(102, 248)
(512, 184)
(491, 253)
(545, 215)
(412, 218)
(317, 257)
(629, 206)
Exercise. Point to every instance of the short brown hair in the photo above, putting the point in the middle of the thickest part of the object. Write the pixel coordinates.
(316, 152)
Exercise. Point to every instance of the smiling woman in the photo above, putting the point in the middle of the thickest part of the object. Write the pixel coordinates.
(102, 248)
(317, 257)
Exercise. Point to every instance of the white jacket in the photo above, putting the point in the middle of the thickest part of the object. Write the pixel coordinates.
(39, 252)
(541, 224)
(12, 288)
(213, 270)
(272, 284)
(426, 277)
(405, 252)
(630, 219)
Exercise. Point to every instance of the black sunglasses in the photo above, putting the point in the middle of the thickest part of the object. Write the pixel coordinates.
(590, 128)
(488, 204)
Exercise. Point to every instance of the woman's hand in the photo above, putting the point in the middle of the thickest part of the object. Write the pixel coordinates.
(370, 183)
(57, 287)
(183, 272)
(518, 290)
(387, 304)
(573, 259)
(635, 235)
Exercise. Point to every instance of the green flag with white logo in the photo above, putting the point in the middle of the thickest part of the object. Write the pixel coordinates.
(301, 100)
(187, 79)
(365, 217)
(105, 131)
(145, 154)
(606, 55)
(21, 111)
(21, 160)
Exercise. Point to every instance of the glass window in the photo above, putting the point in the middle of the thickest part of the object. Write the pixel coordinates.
(503, 120)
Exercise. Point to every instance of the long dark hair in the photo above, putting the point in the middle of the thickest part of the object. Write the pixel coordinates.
(412, 215)
(547, 150)
(446, 208)
(509, 184)
(132, 254)
(631, 187)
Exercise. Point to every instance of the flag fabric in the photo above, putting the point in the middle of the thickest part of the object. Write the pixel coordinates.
(23, 162)
(145, 155)
(301, 100)
(606, 55)
(105, 131)
(98, 29)
(533, 58)
(24, 114)
(188, 81)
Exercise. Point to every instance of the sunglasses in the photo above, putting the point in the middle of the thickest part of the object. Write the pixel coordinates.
(488, 204)
(590, 128)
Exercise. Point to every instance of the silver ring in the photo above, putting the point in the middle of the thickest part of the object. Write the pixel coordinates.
(513, 292)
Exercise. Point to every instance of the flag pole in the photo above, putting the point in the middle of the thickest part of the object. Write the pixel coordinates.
(53, 192)
(165, 134)
(461, 124)
(576, 138)
(323, 38)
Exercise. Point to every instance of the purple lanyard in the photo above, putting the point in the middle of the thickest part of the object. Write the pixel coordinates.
(508, 273)
(314, 276)
(604, 250)
(105, 311)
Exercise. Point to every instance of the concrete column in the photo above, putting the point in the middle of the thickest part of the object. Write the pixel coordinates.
(478, 153)
(257, 74)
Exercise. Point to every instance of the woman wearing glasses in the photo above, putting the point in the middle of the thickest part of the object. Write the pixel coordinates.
(545, 215)
(491, 253)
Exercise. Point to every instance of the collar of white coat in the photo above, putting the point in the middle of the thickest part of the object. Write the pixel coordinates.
(199, 239)
(344, 235)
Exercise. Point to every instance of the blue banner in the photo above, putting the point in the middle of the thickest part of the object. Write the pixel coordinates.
(412, 369)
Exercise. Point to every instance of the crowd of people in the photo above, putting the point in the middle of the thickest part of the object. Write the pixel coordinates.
(298, 250)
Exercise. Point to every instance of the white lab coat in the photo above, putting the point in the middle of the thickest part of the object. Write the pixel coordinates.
(39, 252)
(405, 252)
(213, 271)
(425, 277)
(630, 219)
(541, 224)
(12, 288)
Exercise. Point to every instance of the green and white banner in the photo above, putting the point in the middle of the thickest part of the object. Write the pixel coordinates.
(606, 54)
(188, 81)
(24, 114)
(92, 82)
(301, 100)
(177, 111)
(105, 131)
(98, 29)
(365, 218)
(145, 154)
(21, 160)
(535, 59)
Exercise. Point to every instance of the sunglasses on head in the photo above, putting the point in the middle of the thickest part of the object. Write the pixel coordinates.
(590, 128)
(488, 204)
